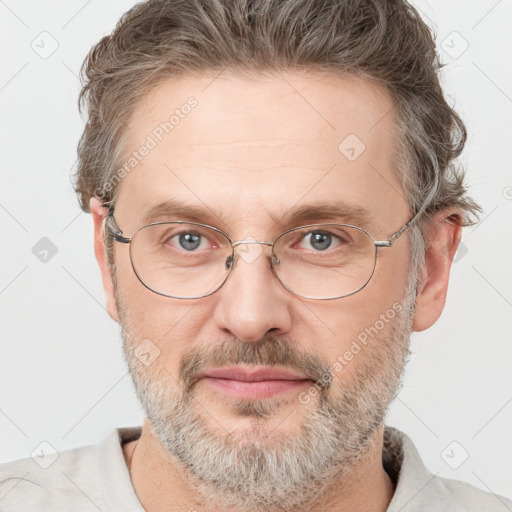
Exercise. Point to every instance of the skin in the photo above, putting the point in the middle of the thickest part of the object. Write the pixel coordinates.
(248, 150)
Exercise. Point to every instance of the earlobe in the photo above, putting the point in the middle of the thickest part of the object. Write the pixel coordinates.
(98, 212)
(442, 237)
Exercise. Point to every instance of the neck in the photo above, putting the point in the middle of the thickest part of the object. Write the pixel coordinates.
(161, 484)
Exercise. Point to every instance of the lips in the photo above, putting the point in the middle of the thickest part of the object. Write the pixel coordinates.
(252, 374)
(253, 383)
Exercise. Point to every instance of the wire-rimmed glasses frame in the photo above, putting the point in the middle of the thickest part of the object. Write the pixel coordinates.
(117, 235)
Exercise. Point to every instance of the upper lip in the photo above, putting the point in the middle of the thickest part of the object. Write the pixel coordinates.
(256, 374)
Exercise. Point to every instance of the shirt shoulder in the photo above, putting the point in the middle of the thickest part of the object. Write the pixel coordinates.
(418, 490)
(87, 478)
(465, 497)
(63, 481)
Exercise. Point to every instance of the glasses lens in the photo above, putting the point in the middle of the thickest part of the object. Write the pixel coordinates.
(180, 260)
(324, 261)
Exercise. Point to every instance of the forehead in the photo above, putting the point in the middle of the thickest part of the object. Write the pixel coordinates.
(249, 149)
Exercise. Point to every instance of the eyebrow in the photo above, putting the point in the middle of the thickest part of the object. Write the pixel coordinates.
(305, 213)
(337, 211)
(175, 208)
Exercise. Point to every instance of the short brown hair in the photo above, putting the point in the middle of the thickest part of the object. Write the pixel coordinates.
(383, 40)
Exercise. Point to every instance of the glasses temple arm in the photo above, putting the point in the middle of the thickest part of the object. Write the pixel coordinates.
(111, 226)
(424, 206)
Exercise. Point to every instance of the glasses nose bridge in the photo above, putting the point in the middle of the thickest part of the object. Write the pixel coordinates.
(239, 242)
(259, 242)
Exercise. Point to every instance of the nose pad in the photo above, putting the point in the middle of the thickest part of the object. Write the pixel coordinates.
(232, 259)
(229, 262)
(249, 250)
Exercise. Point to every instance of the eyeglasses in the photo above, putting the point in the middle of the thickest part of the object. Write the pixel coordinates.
(189, 260)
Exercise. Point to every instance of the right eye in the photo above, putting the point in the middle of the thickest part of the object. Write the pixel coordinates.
(190, 241)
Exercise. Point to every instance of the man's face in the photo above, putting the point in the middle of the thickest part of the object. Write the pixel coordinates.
(245, 154)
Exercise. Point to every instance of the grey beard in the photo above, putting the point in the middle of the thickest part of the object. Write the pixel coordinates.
(255, 469)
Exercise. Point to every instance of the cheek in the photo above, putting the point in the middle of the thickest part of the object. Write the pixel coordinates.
(389, 281)
(135, 299)
(169, 327)
(360, 319)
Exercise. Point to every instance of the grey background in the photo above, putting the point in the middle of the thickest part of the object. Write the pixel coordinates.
(63, 380)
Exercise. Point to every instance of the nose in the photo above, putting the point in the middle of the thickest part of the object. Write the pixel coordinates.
(252, 301)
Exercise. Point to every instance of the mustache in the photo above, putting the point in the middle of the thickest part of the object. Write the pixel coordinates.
(270, 351)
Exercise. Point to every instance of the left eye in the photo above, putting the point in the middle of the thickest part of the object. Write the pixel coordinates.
(322, 240)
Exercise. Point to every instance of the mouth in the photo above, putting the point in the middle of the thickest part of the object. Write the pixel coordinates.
(254, 383)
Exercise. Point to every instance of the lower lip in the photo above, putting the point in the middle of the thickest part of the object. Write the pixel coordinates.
(255, 390)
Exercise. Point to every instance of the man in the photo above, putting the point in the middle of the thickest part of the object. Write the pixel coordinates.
(276, 208)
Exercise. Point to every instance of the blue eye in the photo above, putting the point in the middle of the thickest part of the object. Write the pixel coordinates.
(189, 241)
(320, 240)
(323, 240)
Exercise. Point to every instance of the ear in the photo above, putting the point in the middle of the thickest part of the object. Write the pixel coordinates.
(98, 213)
(442, 237)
